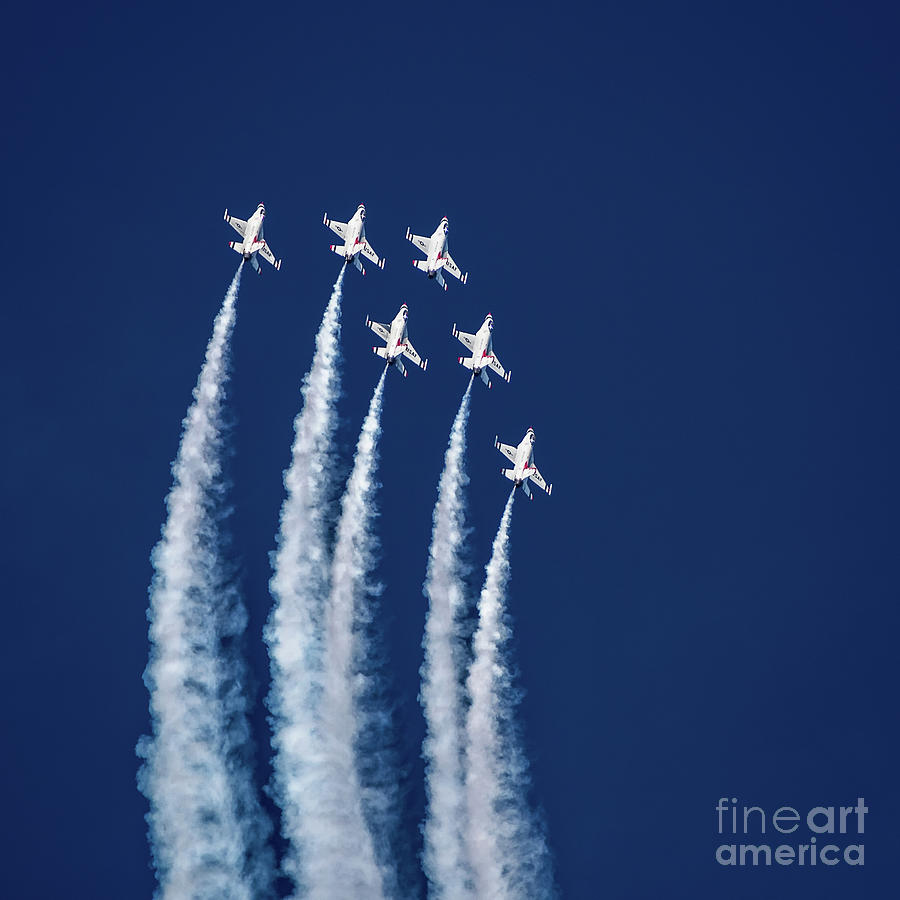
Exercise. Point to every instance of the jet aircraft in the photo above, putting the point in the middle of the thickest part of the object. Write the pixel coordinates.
(437, 252)
(398, 344)
(482, 348)
(253, 242)
(353, 234)
(522, 458)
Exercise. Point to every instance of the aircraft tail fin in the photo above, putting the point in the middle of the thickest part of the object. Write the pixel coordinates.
(469, 363)
(382, 352)
(422, 264)
(358, 264)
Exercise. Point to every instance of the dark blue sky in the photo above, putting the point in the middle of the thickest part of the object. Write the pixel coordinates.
(684, 220)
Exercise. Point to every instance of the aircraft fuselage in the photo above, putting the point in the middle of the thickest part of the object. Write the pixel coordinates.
(483, 351)
(356, 234)
(397, 339)
(524, 455)
(438, 248)
(254, 231)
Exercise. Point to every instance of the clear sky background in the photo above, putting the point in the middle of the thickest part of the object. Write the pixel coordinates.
(684, 219)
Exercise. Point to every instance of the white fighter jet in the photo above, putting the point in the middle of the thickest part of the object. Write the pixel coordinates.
(398, 344)
(522, 458)
(353, 234)
(437, 250)
(253, 242)
(482, 348)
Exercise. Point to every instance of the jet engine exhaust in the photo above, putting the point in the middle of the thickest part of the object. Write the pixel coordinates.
(300, 581)
(209, 836)
(444, 856)
(505, 839)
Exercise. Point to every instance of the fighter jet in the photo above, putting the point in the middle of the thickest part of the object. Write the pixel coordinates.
(437, 250)
(482, 349)
(253, 242)
(398, 344)
(354, 237)
(523, 465)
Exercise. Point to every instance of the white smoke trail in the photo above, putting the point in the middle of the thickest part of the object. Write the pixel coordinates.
(444, 856)
(208, 834)
(505, 840)
(293, 632)
(347, 864)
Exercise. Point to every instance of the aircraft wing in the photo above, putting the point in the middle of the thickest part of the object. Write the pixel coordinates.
(410, 353)
(423, 243)
(538, 479)
(494, 363)
(506, 449)
(369, 253)
(383, 331)
(268, 255)
(467, 340)
(239, 225)
(339, 228)
(453, 269)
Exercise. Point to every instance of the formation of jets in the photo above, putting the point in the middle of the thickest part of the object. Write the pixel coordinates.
(395, 335)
